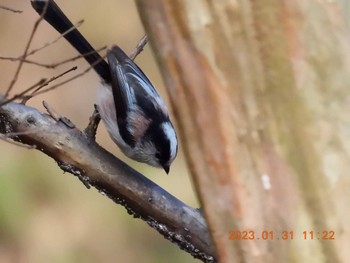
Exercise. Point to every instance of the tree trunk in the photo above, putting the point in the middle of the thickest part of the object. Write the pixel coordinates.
(260, 92)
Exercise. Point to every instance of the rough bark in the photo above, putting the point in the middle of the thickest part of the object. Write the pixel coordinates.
(260, 91)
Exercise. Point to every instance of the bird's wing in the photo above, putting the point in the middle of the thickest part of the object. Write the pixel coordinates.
(132, 91)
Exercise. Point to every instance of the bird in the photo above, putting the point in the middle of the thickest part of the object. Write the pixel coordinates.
(130, 107)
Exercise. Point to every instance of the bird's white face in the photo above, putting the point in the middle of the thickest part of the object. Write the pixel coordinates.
(171, 136)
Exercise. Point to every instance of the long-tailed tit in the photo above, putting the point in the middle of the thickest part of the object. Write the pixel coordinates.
(132, 110)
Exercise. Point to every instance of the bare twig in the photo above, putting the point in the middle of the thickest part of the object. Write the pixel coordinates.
(76, 57)
(33, 51)
(68, 80)
(36, 91)
(53, 65)
(39, 85)
(25, 52)
(142, 43)
(10, 9)
(28, 61)
(78, 24)
(5, 101)
(39, 89)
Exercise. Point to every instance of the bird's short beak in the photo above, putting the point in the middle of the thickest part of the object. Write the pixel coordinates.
(166, 168)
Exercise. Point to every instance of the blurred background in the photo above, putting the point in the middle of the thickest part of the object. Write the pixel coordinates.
(48, 216)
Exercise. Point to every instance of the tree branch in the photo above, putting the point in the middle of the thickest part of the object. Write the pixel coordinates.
(79, 154)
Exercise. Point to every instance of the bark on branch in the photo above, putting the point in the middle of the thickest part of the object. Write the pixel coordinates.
(77, 153)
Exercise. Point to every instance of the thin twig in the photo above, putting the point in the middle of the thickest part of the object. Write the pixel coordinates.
(10, 9)
(36, 91)
(54, 65)
(42, 83)
(78, 24)
(28, 61)
(68, 80)
(33, 51)
(26, 50)
(39, 89)
(139, 48)
(77, 57)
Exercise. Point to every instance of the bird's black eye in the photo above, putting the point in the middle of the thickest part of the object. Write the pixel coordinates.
(158, 156)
